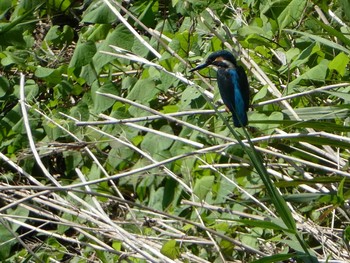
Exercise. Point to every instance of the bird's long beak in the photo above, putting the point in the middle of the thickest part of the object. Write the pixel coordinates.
(201, 66)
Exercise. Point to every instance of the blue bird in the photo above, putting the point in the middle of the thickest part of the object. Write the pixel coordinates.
(233, 84)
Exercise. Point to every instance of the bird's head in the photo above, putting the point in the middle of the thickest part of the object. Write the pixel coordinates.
(220, 59)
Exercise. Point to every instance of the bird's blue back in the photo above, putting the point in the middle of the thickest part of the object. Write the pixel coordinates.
(234, 91)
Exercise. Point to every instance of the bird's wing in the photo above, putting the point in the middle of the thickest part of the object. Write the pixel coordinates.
(240, 101)
(244, 86)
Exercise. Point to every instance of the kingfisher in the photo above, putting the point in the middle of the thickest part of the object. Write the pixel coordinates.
(233, 84)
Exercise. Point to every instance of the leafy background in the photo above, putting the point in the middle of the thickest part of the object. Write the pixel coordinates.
(112, 152)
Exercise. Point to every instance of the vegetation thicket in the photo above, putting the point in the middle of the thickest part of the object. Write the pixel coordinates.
(112, 151)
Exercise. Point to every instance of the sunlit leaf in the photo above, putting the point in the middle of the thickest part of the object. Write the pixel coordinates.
(171, 249)
(339, 63)
(291, 13)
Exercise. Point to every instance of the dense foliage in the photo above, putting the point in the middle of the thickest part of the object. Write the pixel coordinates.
(112, 151)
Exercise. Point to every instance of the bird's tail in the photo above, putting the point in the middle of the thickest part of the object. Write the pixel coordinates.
(240, 118)
(239, 113)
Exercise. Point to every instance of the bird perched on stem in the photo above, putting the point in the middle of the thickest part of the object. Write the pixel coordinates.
(233, 84)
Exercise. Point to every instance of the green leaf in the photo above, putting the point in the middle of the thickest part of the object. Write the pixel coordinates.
(344, 96)
(143, 91)
(171, 249)
(80, 111)
(31, 90)
(42, 72)
(340, 192)
(156, 198)
(319, 113)
(302, 197)
(6, 27)
(260, 94)
(52, 34)
(345, 4)
(97, 32)
(58, 37)
(83, 54)
(187, 96)
(102, 103)
(17, 57)
(4, 86)
(322, 141)
(333, 32)
(120, 37)
(257, 32)
(347, 234)
(292, 13)
(5, 5)
(20, 212)
(100, 15)
(339, 63)
(7, 241)
(117, 245)
(321, 40)
(170, 109)
(274, 116)
(139, 48)
(317, 73)
(203, 186)
(52, 76)
(319, 125)
(61, 5)
(147, 16)
(156, 144)
(180, 42)
(262, 224)
(304, 56)
(117, 154)
(274, 8)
